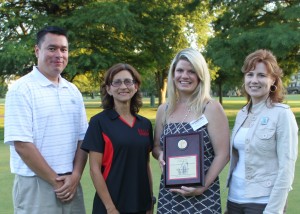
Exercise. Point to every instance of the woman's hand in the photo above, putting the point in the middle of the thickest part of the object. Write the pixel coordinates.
(68, 190)
(189, 191)
(112, 210)
(161, 161)
(150, 211)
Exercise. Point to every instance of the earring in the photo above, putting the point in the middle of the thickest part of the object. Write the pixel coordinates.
(273, 88)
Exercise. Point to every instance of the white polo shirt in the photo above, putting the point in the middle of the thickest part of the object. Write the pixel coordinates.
(51, 117)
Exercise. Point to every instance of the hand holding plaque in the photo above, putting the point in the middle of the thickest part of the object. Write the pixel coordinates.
(183, 154)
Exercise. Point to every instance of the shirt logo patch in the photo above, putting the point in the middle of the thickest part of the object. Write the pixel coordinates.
(73, 101)
(143, 132)
(264, 121)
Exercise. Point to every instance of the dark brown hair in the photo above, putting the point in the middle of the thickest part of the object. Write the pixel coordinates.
(108, 101)
(40, 36)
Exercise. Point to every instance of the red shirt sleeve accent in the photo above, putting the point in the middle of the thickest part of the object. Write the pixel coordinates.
(107, 155)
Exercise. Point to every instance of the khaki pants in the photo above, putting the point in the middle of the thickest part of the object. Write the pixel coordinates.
(33, 195)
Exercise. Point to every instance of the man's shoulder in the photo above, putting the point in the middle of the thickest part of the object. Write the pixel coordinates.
(70, 84)
(23, 82)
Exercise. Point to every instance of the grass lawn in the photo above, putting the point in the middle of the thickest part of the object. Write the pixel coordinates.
(231, 106)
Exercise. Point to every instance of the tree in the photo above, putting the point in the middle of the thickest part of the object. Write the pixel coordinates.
(146, 34)
(88, 84)
(19, 22)
(167, 27)
(248, 25)
(99, 34)
(106, 37)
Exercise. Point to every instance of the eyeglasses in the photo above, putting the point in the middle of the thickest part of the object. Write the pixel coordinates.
(118, 82)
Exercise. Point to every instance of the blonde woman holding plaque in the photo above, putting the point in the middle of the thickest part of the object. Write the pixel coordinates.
(190, 109)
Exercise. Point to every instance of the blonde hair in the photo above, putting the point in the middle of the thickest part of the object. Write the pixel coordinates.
(201, 94)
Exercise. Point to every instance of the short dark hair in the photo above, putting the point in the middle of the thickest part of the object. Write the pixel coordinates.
(50, 29)
(108, 101)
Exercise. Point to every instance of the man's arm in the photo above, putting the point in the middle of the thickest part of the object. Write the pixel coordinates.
(68, 190)
(36, 162)
(79, 160)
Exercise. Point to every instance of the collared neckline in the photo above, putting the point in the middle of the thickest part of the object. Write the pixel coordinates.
(113, 114)
(257, 107)
(44, 81)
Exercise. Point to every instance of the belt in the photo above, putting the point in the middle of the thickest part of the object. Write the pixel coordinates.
(62, 174)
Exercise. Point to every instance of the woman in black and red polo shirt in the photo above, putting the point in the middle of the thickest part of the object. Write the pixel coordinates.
(119, 142)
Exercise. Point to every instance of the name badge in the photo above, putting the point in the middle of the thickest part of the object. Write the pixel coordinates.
(198, 123)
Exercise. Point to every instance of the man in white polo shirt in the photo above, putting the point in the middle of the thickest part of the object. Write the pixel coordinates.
(45, 123)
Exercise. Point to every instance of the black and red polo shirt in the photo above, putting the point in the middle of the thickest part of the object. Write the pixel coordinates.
(125, 157)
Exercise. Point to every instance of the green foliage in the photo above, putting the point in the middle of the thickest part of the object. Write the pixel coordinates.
(147, 34)
(105, 37)
(160, 36)
(19, 23)
(149, 85)
(99, 33)
(88, 84)
(246, 26)
(167, 27)
(3, 89)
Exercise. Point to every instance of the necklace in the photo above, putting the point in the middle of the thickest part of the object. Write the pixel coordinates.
(180, 124)
(185, 116)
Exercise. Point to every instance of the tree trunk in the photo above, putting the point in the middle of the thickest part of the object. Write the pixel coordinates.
(161, 83)
(220, 93)
(163, 92)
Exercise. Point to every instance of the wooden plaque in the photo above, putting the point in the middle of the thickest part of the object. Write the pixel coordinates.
(184, 158)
